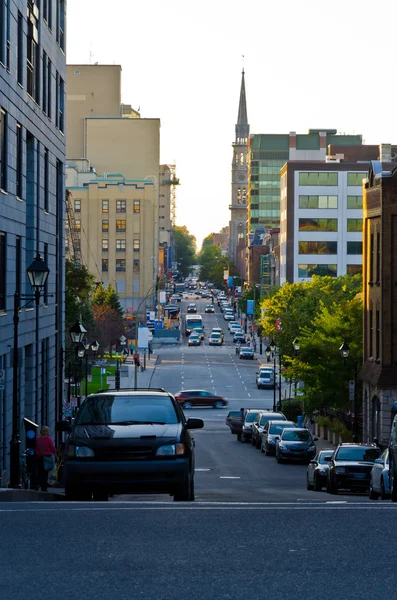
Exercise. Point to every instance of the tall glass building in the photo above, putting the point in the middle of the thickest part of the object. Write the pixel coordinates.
(32, 201)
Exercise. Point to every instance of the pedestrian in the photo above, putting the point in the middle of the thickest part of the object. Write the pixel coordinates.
(44, 450)
(132, 348)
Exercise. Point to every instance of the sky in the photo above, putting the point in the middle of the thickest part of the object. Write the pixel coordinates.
(308, 64)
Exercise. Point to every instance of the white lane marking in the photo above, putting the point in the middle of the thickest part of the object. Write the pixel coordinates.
(71, 506)
(202, 469)
(336, 502)
(228, 477)
(249, 395)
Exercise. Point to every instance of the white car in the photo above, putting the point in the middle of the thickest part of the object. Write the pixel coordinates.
(235, 328)
(228, 316)
(233, 323)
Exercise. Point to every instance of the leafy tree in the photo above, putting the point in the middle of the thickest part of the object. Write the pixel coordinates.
(207, 241)
(79, 285)
(110, 325)
(107, 296)
(184, 247)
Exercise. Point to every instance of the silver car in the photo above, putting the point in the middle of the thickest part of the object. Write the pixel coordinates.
(271, 430)
(380, 482)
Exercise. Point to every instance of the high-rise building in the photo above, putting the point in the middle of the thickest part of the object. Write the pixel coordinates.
(113, 167)
(32, 200)
(238, 206)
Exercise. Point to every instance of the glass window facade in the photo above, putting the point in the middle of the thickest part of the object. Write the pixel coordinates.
(355, 179)
(354, 202)
(322, 270)
(354, 248)
(264, 187)
(318, 247)
(318, 202)
(354, 269)
(318, 224)
(354, 224)
(322, 178)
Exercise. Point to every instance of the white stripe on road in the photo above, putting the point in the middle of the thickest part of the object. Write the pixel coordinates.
(228, 477)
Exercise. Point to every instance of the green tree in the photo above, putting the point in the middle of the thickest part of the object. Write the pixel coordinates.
(79, 285)
(184, 248)
(107, 296)
(207, 241)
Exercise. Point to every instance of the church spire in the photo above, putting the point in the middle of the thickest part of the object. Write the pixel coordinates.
(242, 127)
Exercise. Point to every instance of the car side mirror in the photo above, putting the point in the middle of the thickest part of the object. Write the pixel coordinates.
(194, 423)
(63, 426)
(378, 461)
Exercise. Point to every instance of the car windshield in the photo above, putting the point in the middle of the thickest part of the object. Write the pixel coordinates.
(215, 335)
(357, 453)
(323, 456)
(109, 409)
(279, 427)
(291, 435)
(250, 418)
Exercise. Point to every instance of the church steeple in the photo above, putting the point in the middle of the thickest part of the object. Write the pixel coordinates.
(242, 127)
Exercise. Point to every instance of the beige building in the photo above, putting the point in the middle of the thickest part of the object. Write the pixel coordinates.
(113, 157)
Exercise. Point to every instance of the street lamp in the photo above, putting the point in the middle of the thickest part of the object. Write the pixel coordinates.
(296, 346)
(344, 350)
(272, 348)
(38, 274)
(94, 346)
(77, 335)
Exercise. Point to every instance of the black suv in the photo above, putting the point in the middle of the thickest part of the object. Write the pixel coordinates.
(129, 442)
(350, 467)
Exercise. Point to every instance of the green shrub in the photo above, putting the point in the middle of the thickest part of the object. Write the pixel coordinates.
(346, 435)
(292, 408)
(324, 422)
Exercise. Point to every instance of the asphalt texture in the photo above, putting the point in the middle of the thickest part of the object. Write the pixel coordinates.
(254, 530)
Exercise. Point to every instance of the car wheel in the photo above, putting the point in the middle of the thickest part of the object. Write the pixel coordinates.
(258, 444)
(185, 492)
(317, 484)
(239, 437)
(372, 494)
(309, 486)
(187, 405)
(383, 494)
(331, 488)
(279, 459)
(219, 404)
(262, 448)
(77, 494)
(253, 442)
(100, 496)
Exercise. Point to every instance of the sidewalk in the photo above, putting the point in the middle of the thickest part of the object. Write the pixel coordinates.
(144, 378)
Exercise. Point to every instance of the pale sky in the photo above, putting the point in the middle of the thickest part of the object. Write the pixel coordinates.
(308, 64)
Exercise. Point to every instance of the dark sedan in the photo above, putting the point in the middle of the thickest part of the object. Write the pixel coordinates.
(235, 420)
(295, 444)
(350, 467)
(191, 308)
(317, 470)
(246, 353)
(209, 309)
(191, 398)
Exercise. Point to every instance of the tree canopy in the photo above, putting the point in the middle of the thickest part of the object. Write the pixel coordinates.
(213, 263)
(79, 285)
(184, 248)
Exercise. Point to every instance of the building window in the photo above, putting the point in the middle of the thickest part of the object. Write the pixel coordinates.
(377, 341)
(371, 258)
(354, 224)
(2, 271)
(105, 264)
(3, 150)
(77, 206)
(244, 195)
(61, 104)
(137, 206)
(44, 84)
(322, 178)
(120, 265)
(318, 247)
(19, 162)
(355, 179)
(45, 259)
(61, 24)
(20, 49)
(136, 265)
(18, 264)
(239, 196)
(321, 270)
(354, 201)
(105, 225)
(136, 245)
(241, 158)
(105, 245)
(31, 61)
(371, 333)
(77, 224)
(46, 180)
(120, 206)
(120, 225)
(377, 258)
(120, 245)
(49, 91)
(318, 224)
(318, 201)
(354, 248)
(105, 206)
(354, 269)
(5, 23)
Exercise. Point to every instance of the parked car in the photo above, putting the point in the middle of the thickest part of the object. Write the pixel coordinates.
(295, 444)
(194, 340)
(259, 423)
(190, 398)
(271, 430)
(379, 484)
(249, 417)
(129, 442)
(218, 330)
(235, 420)
(350, 467)
(228, 316)
(215, 339)
(191, 308)
(200, 332)
(239, 336)
(317, 470)
(246, 353)
(233, 325)
(265, 378)
(209, 309)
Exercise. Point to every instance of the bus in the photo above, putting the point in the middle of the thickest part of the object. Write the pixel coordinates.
(193, 322)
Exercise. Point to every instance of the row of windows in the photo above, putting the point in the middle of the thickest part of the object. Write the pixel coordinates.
(32, 147)
(328, 248)
(274, 170)
(329, 202)
(121, 206)
(121, 245)
(326, 270)
(121, 265)
(326, 178)
(329, 224)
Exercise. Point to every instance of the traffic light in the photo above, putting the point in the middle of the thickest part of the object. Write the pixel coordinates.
(136, 360)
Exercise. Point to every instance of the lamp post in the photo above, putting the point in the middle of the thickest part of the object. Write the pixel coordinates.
(272, 348)
(77, 335)
(344, 350)
(38, 274)
(94, 346)
(296, 346)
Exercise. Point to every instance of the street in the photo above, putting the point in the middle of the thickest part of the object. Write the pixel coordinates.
(254, 529)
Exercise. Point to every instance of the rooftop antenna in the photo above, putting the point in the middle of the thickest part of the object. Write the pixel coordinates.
(242, 58)
(91, 54)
